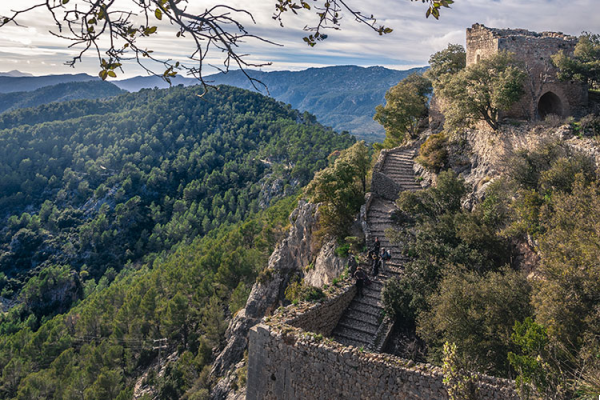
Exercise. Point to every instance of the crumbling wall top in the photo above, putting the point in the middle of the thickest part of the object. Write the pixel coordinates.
(506, 33)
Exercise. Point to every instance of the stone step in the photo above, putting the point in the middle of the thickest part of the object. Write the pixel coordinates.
(373, 302)
(349, 341)
(361, 316)
(353, 334)
(399, 162)
(381, 213)
(372, 294)
(364, 308)
(400, 158)
(399, 168)
(358, 325)
(390, 273)
(402, 179)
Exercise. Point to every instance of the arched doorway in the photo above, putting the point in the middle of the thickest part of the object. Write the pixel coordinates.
(550, 104)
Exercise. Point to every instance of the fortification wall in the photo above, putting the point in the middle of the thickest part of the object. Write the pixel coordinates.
(323, 318)
(285, 361)
(534, 51)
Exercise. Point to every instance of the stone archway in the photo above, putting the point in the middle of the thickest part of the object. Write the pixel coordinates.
(550, 103)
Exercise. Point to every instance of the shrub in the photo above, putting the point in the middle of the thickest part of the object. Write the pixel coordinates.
(433, 154)
(590, 125)
(297, 291)
(342, 250)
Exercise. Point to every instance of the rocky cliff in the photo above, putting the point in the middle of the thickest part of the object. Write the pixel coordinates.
(299, 249)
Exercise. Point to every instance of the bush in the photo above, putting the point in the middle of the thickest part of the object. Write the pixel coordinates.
(433, 154)
(590, 125)
(342, 250)
(477, 312)
(297, 291)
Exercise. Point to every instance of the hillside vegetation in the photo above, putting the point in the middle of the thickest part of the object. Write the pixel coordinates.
(504, 267)
(343, 97)
(82, 197)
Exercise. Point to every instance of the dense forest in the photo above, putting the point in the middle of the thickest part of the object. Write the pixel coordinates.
(89, 187)
(178, 302)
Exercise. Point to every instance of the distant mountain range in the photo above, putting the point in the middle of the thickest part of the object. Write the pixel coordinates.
(15, 74)
(91, 90)
(343, 97)
(15, 83)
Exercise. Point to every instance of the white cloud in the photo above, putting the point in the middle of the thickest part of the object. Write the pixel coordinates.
(414, 38)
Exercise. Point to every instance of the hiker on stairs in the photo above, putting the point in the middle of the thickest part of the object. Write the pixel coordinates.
(361, 278)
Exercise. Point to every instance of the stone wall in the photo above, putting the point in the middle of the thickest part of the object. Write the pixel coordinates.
(534, 51)
(285, 361)
(323, 318)
(382, 185)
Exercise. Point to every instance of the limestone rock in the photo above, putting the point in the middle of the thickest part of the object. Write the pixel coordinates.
(289, 258)
(327, 267)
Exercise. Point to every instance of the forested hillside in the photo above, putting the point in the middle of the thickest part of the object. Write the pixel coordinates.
(343, 97)
(103, 184)
(110, 340)
(60, 92)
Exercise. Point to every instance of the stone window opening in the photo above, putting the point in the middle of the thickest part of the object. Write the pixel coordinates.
(550, 103)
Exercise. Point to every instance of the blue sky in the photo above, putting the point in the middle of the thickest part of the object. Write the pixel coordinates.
(32, 49)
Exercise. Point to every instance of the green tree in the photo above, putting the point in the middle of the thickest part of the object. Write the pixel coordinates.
(584, 65)
(482, 90)
(477, 313)
(445, 63)
(566, 299)
(341, 188)
(405, 109)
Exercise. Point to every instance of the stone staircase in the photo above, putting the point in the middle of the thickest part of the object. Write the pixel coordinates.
(362, 320)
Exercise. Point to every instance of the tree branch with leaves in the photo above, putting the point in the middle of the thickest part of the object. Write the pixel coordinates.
(113, 32)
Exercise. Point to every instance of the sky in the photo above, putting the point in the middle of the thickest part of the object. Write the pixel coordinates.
(31, 48)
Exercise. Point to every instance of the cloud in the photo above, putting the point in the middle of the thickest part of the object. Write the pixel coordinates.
(414, 38)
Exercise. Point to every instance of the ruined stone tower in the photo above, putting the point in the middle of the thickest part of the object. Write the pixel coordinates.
(544, 92)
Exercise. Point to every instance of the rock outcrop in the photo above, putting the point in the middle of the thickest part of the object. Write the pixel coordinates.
(290, 258)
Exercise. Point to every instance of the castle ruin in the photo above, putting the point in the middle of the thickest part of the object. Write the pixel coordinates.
(544, 93)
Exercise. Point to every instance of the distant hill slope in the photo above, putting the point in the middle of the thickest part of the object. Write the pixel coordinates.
(342, 97)
(58, 93)
(14, 73)
(9, 84)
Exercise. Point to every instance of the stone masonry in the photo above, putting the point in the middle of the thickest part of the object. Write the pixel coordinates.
(544, 93)
(287, 360)
(363, 323)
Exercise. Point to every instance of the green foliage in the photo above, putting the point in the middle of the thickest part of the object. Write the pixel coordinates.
(566, 300)
(341, 188)
(532, 372)
(477, 313)
(460, 382)
(98, 349)
(537, 175)
(433, 154)
(342, 250)
(479, 92)
(446, 63)
(405, 109)
(298, 291)
(99, 184)
(457, 287)
(584, 65)
(436, 201)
